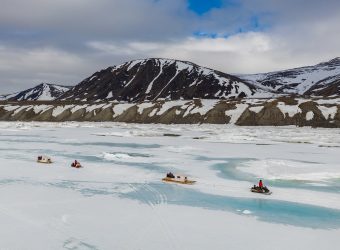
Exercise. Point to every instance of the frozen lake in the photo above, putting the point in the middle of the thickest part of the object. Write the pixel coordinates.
(118, 201)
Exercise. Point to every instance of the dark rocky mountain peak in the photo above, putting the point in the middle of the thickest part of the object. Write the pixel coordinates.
(41, 92)
(157, 78)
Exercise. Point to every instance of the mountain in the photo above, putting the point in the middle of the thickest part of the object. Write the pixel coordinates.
(165, 79)
(41, 92)
(322, 80)
(155, 78)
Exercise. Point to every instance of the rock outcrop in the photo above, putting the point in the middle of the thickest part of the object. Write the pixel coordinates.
(242, 112)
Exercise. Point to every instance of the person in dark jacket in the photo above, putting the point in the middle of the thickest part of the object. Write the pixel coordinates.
(170, 175)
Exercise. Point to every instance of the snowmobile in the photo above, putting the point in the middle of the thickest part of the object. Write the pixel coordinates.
(257, 189)
(76, 165)
(44, 159)
(170, 177)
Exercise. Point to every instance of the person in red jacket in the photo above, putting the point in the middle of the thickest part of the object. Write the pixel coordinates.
(260, 184)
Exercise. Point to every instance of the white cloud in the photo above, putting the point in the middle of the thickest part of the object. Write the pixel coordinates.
(79, 19)
(65, 41)
(22, 68)
(250, 52)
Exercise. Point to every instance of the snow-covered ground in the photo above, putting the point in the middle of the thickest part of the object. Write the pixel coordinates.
(118, 201)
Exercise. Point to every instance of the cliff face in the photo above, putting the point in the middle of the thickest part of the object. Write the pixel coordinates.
(255, 112)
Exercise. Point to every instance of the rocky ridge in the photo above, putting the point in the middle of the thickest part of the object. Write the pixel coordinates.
(318, 80)
(243, 112)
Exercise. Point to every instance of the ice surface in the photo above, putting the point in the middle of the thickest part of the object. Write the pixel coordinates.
(291, 170)
(118, 201)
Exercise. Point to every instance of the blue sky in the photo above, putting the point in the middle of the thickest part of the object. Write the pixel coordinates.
(66, 41)
(204, 6)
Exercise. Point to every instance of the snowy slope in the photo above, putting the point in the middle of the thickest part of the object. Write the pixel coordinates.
(305, 80)
(154, 78)
(41, 92)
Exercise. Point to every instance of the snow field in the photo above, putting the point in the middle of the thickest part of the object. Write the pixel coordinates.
(117, 201)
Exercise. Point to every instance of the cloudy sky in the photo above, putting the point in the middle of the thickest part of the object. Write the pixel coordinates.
(64, 41)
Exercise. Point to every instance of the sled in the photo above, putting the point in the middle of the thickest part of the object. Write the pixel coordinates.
(179, 179)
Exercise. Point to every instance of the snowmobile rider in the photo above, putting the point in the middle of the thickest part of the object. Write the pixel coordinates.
(76, 164)
(260, 184)
(170, 175)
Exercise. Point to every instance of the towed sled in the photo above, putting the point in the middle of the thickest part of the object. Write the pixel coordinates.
(78, 165)
(44, 159)
(259, 190)
(178, 179)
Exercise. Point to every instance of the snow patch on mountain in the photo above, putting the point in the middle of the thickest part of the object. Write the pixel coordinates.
(119, 109)
(328, 112)
(235, 113)
(309, 115)
(256, 109)
(289, 110)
